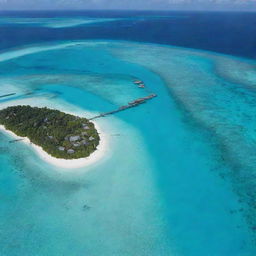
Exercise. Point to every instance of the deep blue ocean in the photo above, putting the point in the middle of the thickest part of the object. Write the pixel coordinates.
(225, 32)
(177, 176)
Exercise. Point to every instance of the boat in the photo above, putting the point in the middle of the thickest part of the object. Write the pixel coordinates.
(138, 82)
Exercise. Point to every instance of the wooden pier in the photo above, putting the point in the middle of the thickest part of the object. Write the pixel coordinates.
(131, 104)
(7, 95)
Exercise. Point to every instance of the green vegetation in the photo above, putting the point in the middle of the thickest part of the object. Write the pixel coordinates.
(59, 134)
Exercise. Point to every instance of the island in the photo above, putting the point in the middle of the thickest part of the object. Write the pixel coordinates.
(59, 134)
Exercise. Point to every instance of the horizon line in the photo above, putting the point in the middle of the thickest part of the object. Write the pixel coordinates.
(146, 10)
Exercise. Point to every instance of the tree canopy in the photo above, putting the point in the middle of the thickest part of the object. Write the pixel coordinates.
(59, 134)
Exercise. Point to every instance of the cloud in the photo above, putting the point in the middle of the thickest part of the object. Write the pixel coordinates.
(127, 4)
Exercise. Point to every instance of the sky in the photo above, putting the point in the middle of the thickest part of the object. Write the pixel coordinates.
(224, 5)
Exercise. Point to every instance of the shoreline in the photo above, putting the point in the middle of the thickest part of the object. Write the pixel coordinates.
(65, 163)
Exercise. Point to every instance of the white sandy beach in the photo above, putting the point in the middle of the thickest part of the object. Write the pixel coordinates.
(64, 163)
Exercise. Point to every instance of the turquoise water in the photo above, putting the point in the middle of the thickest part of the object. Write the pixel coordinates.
(54, 23)
(178, 176)
(81, 20)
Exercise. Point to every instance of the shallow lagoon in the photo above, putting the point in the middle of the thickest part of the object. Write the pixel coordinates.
(172, 181)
